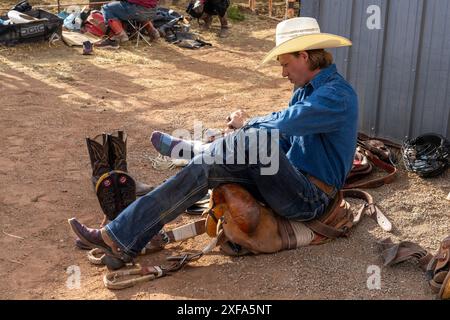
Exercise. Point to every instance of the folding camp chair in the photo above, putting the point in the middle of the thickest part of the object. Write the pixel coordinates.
(137, 33)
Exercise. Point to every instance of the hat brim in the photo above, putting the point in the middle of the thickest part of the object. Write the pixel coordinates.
(307, 42)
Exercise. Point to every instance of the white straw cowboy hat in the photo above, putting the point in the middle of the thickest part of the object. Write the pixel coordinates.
(301, 34)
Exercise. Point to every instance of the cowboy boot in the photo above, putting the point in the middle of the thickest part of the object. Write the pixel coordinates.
(118, 184)
(118, 159)
(98, 154)
(118, 32)
(118, 151)
(108, 183)
(114, 188)
(152, 31)
(98, 149)
(98, 238)
(224, 28)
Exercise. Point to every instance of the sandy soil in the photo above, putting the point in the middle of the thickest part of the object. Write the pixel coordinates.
(52, 98)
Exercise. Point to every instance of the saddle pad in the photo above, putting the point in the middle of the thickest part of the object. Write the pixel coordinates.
(77, 39)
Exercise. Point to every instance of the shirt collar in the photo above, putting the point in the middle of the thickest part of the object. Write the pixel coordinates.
(323, 76)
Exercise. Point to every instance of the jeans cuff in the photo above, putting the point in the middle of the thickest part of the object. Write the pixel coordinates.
(119, 244)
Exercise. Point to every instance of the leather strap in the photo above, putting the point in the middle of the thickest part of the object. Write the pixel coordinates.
(378, 182)
(363, 137)
(322, 228)
(326, 230)
(396, 253)
(288, 239)
(369, 208)
(187, 231)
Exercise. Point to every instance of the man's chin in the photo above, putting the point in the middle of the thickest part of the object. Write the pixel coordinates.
(298, 85)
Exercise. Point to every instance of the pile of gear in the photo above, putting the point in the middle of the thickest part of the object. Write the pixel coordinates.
(170, 25)
(436, 267)
(428, 156)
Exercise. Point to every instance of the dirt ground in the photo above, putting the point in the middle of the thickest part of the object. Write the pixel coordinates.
(52, 98)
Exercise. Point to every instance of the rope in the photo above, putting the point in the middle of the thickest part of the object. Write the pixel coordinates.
(95, 256)
(123, 279)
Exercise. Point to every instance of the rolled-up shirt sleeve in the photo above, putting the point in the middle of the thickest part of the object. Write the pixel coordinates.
(323, 112)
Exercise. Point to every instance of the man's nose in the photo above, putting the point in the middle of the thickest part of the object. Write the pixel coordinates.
(284, 73)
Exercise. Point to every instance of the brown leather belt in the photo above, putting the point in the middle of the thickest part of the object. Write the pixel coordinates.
(329, 190)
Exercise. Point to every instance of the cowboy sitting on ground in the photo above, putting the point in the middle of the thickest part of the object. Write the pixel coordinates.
(315, 142)
(117, 11)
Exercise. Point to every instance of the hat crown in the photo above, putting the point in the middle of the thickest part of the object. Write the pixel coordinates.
(296, 27)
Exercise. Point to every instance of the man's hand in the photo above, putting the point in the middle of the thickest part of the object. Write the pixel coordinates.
(237, 119)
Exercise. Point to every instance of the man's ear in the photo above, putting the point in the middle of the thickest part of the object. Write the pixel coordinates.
(304, 55)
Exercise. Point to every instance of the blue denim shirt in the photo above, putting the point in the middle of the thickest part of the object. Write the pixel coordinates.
(319, 129)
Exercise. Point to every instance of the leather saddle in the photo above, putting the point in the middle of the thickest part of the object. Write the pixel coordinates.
(251, 227)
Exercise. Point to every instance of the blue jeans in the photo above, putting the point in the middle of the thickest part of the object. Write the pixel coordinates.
(288, 192)
(122, 10)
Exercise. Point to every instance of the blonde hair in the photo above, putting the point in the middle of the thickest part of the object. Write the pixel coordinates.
(318, 59)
